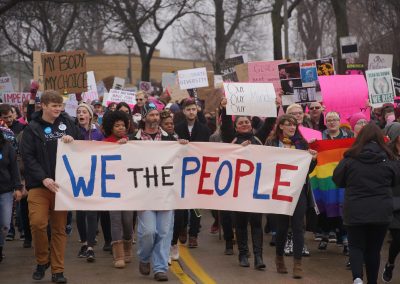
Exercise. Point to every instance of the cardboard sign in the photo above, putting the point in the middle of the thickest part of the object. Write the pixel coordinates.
(192, 78)
(15, 98)
(65, 71)
(117, 96)
(38, 69)
(255, 99)
(6, 85)
(146, 86)
(228, 68)
(380, 86)
(349, 47)
(242, 72)
(345, 94)
(118, 83)
(155, 175)
(380, 61)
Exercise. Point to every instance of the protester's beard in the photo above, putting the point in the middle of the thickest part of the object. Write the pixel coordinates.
(152, 125)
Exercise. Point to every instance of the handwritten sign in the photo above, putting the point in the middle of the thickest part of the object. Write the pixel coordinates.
(166, 175)
(118, 83)
(117, 96)
(6, 85)
(192, 78)
(380, 86)
(380, 61)
(65, 71)
(256, 99)
(265, 72)
(15, 98)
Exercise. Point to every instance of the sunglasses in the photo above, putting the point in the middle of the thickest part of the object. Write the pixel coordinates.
(314, 108)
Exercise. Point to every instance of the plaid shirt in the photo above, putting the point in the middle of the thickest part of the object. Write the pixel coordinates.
(146, 136)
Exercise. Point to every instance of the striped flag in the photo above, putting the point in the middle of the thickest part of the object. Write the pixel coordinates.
(328, 196)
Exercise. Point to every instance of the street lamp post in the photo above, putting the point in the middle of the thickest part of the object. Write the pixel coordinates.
(129, 44)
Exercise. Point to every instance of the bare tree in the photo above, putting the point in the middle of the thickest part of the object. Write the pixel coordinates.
(10, 4)
(342, 29)
(146, 22)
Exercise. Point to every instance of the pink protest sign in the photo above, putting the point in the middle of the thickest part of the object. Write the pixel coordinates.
(345, 94)
(265, 72)
(310, 134)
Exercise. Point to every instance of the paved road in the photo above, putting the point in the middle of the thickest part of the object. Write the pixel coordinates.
(205, 264)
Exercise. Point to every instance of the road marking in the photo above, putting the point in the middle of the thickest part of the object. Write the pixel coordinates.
(180, 274)
(194, 266)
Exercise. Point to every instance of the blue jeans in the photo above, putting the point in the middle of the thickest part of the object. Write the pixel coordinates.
(6, 204)
(154, 238)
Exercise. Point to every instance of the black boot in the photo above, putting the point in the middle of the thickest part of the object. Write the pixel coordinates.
(228, 247)
(258, 262)
(243, 261)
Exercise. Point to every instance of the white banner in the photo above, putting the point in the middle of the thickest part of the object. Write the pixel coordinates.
(15, 98)
(193, 78)
(144, 175)
(255, 99)
(117, 96)
(380, 86)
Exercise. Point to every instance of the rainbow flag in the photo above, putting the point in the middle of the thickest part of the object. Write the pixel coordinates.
(328, 196)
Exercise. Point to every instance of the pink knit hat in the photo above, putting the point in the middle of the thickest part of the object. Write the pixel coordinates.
(353, 119)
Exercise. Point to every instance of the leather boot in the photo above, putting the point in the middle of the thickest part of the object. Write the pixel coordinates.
(128, 250)
(297, 270)
(243, 261)
(258, 262)
(118, 254)
(280, 265)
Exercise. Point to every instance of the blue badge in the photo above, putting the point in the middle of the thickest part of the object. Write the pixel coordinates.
(1, 156)
(47, 130)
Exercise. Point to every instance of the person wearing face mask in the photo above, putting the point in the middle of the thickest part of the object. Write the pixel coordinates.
(316, 116)
(287, 135)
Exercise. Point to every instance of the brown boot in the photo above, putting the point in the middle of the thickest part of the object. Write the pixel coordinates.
(297, 270)
(128, 250)
(280, 265)
(118, 254)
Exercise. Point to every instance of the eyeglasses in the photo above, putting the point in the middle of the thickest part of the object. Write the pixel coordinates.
(314, 108)
(332, 120)
(362, 122)
(296, 113)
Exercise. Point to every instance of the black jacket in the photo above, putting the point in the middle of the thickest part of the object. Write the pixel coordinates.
(38, 156)
(10, 179)
(368, 181)
(200, 131)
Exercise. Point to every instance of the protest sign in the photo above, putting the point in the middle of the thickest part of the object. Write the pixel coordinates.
(118, 96)
(349, 47)
(65, 71)
(396, 82)
(166, 175)
(192, 78)
(308, 73)
(6, 85)
(325, 66)
(218, 81)
(146, 86)
(380, 86)
(15, 98)
(227, 68)
(310, 134)
(38, 69)
(90, 96)
(380, 61)
(71, 105)
(345, 94)
(242, 72)
(256, 99)
(91, 81)
(205, 92)
(244, 55)
(265, 72)
(168, 79)
(118, 83)
(355, 69)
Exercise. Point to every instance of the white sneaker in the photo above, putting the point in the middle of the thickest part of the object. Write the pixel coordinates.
(358, 281)
(174, 252)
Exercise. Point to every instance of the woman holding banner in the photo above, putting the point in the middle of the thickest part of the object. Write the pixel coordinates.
(241, 132)
(368, 201)
(287, 135)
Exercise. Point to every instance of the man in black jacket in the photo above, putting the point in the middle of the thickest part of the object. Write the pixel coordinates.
(39, 149)
(193, 130)
(7, 115)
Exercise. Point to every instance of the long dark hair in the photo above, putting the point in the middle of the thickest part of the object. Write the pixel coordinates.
(297, 139)
(369, 133)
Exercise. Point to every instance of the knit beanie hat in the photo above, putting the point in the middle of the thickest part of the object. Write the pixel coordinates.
(88, 107)
(392, 130)
(354, 118)
(148, 107)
